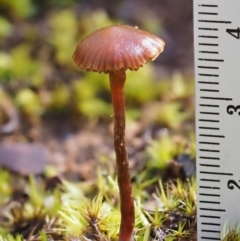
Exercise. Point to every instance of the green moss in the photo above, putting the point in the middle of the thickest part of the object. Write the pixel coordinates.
(140, 86)
(230, 233)
(5, 27)
(22, 65)
(29, 102)
(64, 35)
(60, 97)
(94, 108)
(21, 9)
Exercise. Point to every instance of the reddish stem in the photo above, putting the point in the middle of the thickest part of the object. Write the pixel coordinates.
(117, 80)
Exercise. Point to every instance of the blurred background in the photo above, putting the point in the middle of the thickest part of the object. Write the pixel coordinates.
(48, 103)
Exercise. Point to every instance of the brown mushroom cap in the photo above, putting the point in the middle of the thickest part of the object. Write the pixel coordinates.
(117, 47)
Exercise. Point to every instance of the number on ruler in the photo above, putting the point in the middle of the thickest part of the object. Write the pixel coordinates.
(231, 184)
(233, 109)
(234, 32)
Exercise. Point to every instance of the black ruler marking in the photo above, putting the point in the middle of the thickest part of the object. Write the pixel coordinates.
(209, 195)
(209, 113)
(208, 165)
(207, 36)
(209, 29)
(207, 13)
(209, 157)
(214, 21)
(208, 67)
(208, 83)
(209, 90)
(217, 173)
(208, 128)
(209, 216)
(208, 120)
(208, 52)
(209, 75)
(211, 224)
(208, 44)
(208, 5)
(210, 202)
(208, 143)
(215, 98)
(209, 135)
(213, 209)
(210, 238)
(209, 180)
(209, 150)
(209, 187)
(207, 105)
(210, 231)
(212, 60)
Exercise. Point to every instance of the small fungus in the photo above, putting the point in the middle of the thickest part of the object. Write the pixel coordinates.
(114, 50)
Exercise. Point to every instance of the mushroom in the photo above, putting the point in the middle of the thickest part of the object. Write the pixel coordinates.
(113, 50)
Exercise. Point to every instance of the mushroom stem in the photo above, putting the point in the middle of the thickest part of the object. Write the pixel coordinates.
(117, 80)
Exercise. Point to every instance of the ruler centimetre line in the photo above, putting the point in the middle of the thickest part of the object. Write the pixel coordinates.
(217, 80)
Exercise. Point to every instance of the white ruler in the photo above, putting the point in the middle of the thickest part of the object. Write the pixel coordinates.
(217, 78)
